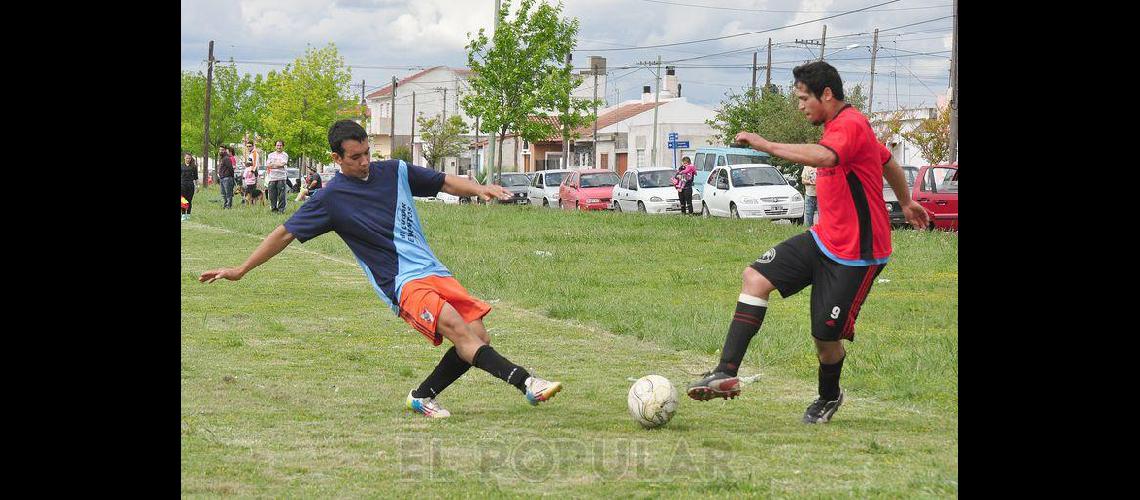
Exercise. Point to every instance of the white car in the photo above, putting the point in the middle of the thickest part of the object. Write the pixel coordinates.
(543, 190)
(752, 192)
(647, 190)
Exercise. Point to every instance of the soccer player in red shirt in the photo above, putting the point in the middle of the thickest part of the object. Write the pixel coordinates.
(840, 256)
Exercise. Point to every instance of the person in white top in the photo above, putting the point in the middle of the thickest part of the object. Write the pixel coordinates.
(810, 205)
(275, 173)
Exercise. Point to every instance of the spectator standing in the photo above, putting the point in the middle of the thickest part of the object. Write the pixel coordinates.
(226, 175)
(683, 181)
(275, 173)
(189, 176)
(808, 178)
(249, 179)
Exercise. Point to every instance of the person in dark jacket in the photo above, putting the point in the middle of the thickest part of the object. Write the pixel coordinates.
(189, 175)
(226, 175)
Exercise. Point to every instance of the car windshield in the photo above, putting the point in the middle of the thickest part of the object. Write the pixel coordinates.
(757, 176)
(555, 179)
(655, 179)
(910, 172)
(515, 180)
(599, 180)
(747, 159)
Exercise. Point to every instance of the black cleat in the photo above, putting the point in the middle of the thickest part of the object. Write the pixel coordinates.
(715, 385)
(820, 411)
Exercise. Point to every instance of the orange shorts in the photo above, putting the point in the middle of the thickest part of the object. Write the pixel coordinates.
(422, 300)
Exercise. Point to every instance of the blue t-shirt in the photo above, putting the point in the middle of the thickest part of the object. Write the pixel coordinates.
(377, 219)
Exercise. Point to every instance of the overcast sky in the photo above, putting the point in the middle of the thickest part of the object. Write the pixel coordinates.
(385, 38)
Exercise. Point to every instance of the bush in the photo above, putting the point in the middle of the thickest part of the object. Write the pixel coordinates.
(402, 153)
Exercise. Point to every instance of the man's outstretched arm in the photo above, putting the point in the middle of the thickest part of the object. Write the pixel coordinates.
(462, 186)
(270, 246)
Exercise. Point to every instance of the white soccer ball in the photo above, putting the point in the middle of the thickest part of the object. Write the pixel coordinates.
(652, 401)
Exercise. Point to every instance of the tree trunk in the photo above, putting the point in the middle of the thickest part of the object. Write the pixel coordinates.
(502, 138)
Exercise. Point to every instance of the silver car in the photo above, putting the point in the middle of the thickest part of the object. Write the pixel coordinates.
(543, 190)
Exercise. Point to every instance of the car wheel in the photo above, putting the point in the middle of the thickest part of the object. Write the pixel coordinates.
(465, 201)
(577, 206)
(640, 207)
(545, 202)
(732, 211)
(617, 206)
(798, 222)
(704, 210)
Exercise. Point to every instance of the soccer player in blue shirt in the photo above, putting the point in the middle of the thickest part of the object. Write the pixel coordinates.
(370, 206)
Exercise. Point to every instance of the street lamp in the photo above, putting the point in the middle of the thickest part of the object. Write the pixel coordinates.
(849, 47)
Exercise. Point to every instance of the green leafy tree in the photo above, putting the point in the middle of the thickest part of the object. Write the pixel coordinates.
(303, 101)
(775, 115)
(522, 73)
(402, 152)
(442, 139)
(932, 137)
(235, 105)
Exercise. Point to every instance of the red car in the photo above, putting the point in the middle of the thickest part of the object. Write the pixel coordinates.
(936, 189)
(587, 189)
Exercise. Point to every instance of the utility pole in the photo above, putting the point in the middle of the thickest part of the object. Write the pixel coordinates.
(595, 72)
(954, 91)
(412, 138)
(491, 138)
(561, 118)
(656, 104)
(363, 103)
(874, 52)
(206, 141)
(444, 104)
(477, 162)
(392, 136)
(823, 42)
(768, 78)
(753, 72)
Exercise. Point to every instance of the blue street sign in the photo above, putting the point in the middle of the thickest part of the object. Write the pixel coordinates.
(672, 136)
(678, 144)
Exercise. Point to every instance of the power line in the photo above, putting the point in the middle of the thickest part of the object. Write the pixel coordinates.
(741, 34)
(748, 49)
(788, 11)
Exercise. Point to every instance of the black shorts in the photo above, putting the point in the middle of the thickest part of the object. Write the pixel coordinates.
(837, 293)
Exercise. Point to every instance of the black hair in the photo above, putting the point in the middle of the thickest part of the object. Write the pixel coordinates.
(817, 76)
(343, 130)
(277, 141)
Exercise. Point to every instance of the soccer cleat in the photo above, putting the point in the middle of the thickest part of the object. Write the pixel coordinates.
(715, 385)
(820, 411)
(427, 407)
(539, 390)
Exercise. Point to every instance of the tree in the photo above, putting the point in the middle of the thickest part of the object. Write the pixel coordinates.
(890, 127)
(236, 104)
(402, 152)
(522, 72)
(775, 115)
(303, 101)
(932, 137)
(442, 139)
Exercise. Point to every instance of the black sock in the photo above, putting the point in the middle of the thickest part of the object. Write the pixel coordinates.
(488, 360)
(449, 369)
(745, 323)
(829, 380)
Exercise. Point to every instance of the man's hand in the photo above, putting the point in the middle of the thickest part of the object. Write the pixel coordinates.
(489, 191)
(758, 143)
(229, 273)
(916, 215)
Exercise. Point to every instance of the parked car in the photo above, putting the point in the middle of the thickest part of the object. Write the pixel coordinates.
(543, 189)
(752, 192)
(894, 210)
(517, 184)
(587, 189)
(936, 189)
(647, 190)
(706, 159)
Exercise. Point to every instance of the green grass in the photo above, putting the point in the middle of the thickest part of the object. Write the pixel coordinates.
(293, 379)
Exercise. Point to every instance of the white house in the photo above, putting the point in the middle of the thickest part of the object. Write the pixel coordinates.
(434, 91)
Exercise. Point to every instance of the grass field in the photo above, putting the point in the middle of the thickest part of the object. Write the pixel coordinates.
(293, 379)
